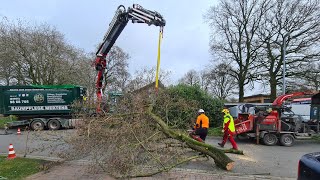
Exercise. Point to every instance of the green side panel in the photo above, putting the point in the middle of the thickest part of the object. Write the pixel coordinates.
(38, 100)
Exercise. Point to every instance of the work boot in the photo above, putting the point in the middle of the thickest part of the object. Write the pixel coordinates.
(221, 145)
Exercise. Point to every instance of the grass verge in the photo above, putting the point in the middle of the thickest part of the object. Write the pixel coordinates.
(5, 120)
(19, 168)
(215, 132)
(316, 138)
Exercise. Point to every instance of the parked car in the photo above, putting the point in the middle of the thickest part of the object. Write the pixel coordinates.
(309, 167)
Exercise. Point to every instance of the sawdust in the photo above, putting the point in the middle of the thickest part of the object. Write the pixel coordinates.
(246, 158)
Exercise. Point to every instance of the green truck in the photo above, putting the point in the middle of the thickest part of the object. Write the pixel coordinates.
(40, 106)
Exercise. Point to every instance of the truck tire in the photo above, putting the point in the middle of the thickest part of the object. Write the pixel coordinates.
(286, 140)
(37, 125)
(54, 124)
(270, 139)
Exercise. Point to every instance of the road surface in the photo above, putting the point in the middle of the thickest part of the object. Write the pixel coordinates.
(278, 161)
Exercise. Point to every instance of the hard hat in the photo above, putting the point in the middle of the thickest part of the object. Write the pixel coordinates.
(225, 111)
(201, 111)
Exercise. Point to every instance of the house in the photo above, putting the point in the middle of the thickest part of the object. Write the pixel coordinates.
(258, 98)
(148, 90)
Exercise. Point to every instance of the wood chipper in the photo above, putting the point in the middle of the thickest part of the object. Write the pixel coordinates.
(274, 123)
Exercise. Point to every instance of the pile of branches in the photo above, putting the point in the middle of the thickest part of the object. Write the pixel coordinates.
(136, 142)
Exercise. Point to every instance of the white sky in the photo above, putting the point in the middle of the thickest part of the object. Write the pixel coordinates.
(185, 44)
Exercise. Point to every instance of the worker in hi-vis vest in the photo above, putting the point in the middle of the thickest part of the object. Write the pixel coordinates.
(228, 129)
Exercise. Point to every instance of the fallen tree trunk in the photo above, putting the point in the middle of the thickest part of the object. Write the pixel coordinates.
(220, 158)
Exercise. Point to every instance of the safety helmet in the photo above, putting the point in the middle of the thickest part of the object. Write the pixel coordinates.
(225, 111)
(201, 111)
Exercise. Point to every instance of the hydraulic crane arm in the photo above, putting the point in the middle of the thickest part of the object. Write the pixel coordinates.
(136, 14)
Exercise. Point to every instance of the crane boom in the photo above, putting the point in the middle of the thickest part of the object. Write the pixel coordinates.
(135, 14)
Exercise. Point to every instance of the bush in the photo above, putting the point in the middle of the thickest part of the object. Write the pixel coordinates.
(5, 120)
(179, 105)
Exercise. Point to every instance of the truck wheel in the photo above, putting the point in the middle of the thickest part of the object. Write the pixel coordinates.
(54, 124)
(37, 125)
(286, 140)
(270, 139)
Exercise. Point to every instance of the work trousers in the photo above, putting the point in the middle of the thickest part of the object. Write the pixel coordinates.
(229, 134)
(202, 132)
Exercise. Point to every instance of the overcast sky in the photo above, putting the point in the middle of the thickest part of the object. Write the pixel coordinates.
(185, 45)
(186, 35)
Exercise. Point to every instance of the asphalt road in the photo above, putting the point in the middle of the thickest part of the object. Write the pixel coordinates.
(277, 161)
(41, 143)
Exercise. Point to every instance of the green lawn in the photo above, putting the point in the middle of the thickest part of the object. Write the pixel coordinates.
(215, 132)
(18, 168)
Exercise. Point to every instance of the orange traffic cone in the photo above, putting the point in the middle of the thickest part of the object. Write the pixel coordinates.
(19, 132)
(11, 154)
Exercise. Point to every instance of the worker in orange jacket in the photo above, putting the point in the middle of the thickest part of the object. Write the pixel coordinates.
(202, 125)
(228, 129)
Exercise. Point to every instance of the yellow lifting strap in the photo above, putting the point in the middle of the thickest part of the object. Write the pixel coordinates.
(158, 59)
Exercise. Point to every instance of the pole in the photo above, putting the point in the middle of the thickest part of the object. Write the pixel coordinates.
(284, 65)
(284, 62)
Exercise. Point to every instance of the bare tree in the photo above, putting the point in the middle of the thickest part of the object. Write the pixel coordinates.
(145, 76)
(234, 29)
(6, 68)
(38, 54)
(223, 84)
(117, 74)
(310, 80)
(291, 28)
(35, 53)
(191, 78)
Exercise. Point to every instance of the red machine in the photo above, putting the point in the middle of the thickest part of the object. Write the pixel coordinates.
(273, 123)
(137, 14)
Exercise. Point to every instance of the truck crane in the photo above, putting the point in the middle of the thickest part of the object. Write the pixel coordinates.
(135, 14)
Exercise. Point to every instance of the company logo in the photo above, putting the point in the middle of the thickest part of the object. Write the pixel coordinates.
(38, 98)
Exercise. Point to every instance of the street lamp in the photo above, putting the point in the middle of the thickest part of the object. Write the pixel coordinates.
(284, 63)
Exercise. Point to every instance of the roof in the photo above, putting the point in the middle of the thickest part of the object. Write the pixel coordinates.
(160, 85)
(258, 95)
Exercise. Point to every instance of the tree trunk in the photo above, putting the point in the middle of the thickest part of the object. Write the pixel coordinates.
(241, 91)
(273, 87)
(221, 160)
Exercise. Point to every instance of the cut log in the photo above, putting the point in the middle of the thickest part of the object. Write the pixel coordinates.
(220, 158)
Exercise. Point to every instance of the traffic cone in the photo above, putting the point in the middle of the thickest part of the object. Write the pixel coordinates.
(19, 132)
(11, 154)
